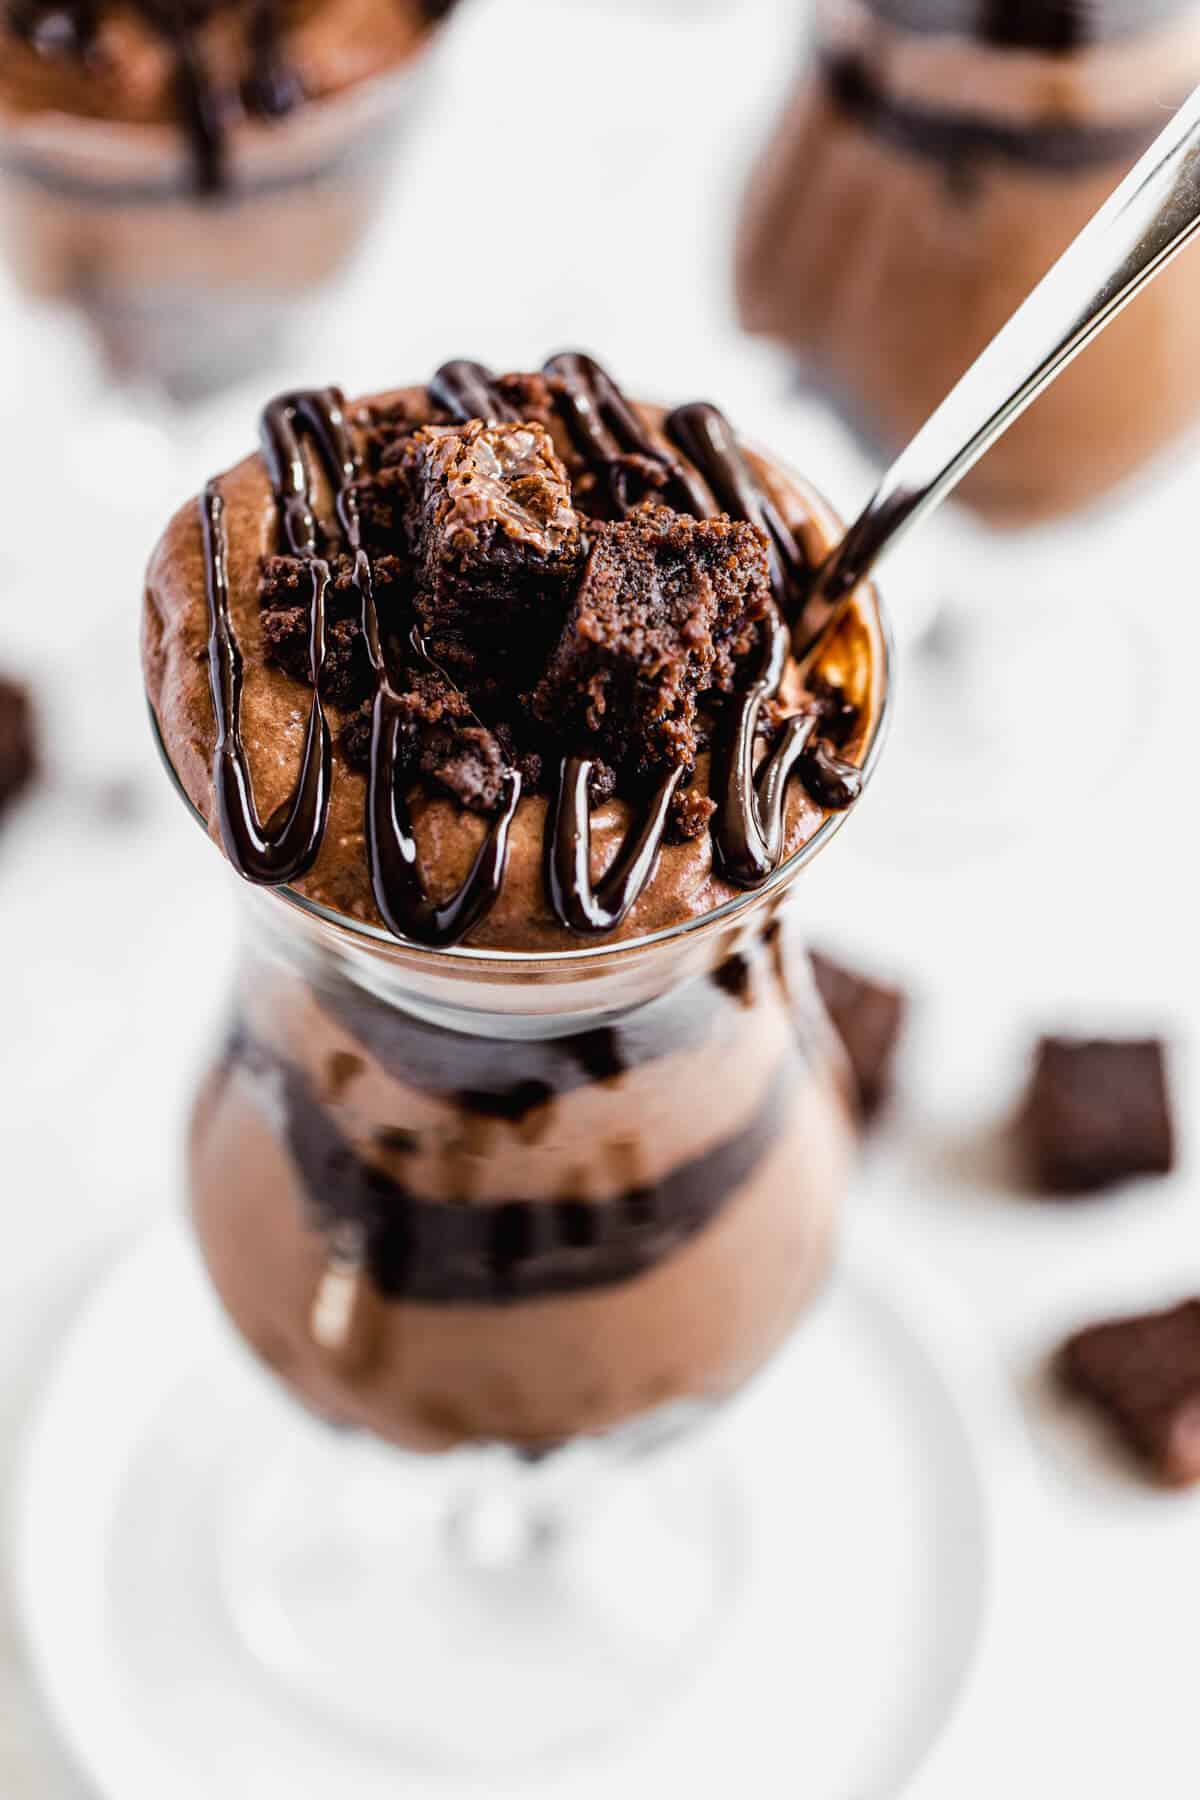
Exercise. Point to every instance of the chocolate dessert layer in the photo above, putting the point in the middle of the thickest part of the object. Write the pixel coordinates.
(599, 1229)
(1033, 24)
(506, 661)
(928, 172)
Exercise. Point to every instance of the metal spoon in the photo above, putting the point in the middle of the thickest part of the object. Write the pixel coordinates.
(1152, 215)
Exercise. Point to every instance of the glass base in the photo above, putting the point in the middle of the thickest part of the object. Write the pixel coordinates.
(480, 1609)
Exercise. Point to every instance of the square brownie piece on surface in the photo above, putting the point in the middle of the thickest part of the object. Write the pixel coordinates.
(868, 1017)
(494, 537)
(18, 754)
(1143, 1373)
(666, 607)
(1098, 1113)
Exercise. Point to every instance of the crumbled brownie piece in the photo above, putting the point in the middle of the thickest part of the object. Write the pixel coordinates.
(354, 739)
(440, 740)
(345, 672)
(1144, 1375)
(691, 814)
(839, 716)
(667, 606)
(1098, 1113)
(17, 750)
(868, 1018)
(285, 594)
(495, 540)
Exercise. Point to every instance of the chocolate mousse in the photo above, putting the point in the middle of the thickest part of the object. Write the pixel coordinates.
(526, 1124)
(936, 159)
(183, 169)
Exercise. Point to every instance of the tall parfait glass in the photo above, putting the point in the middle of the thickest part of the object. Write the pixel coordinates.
(513, 1205)
(540, 1216)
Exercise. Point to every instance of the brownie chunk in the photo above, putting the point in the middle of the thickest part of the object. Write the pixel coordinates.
(1098, 1113)
(1144, 1375)
(495, 540)
(868, 1017)
(18, 756)
(667, 606)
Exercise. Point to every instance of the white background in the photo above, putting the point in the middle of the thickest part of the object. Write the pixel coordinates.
(573, 184)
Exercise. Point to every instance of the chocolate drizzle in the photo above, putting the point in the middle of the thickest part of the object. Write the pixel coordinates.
(609, 434)
(707, 438)
(395, 871)
(391, 848)
(466, 390)
(270, 90)
(711, 473)
(578, 903)
(273, 88)
(257, 852)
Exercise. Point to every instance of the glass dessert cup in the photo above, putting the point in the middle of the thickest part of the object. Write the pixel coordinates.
(542, 1215)
(929, 170)
(185, 292)
(517, 1190)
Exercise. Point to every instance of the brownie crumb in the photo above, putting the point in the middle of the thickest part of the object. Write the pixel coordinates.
(18, 754)
(345, 672)
(495, 540)
(1098, 1112)
(354, 739)
(868, 1017)
(667, 607)
(691, 815)
(441, 740)
(838, 715)
(1144, 1375)
(286, 595)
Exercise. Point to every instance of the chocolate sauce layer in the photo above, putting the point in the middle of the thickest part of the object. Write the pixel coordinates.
(511, 1248)
(963, 142)
(545, 844)
(1029, 24)
(439, 1249)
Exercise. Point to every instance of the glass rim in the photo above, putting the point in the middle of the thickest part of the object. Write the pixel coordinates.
(378, 937)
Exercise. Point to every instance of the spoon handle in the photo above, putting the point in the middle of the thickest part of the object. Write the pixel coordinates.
(1149, 219)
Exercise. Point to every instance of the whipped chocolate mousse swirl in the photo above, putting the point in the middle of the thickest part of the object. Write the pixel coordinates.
(710, 475)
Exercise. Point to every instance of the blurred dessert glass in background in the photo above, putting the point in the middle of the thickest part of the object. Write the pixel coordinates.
(936, 159)
(189, 172)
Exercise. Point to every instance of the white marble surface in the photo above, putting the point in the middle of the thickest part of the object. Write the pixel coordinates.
(116, 928)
